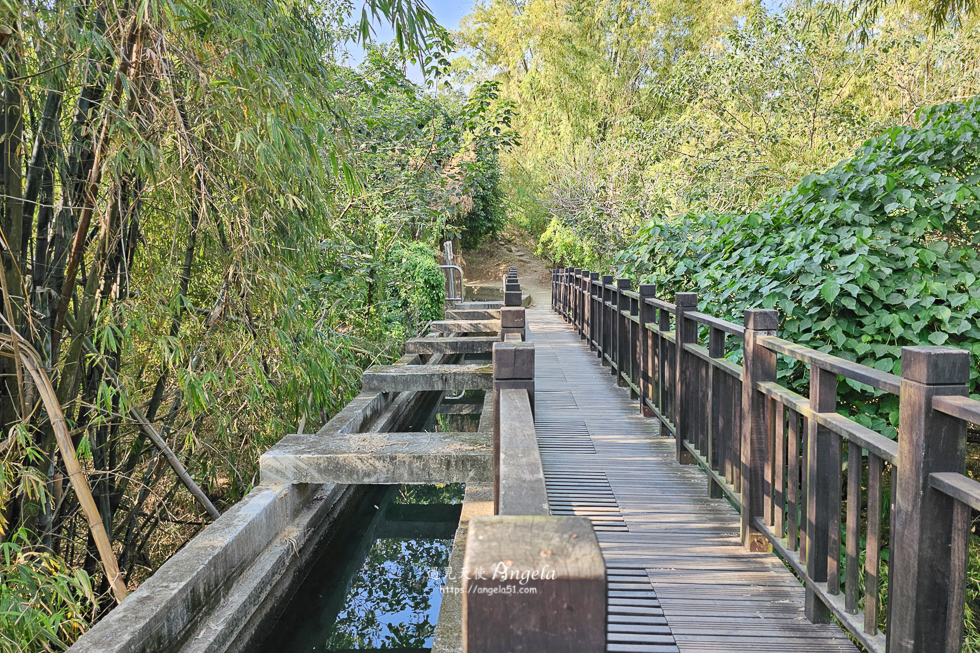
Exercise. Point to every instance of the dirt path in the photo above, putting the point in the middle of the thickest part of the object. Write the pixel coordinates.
(492, 261)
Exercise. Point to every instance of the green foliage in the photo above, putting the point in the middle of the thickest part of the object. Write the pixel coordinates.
(486, 217)
(487, 121)
(44, 604)
(879, 252)
(678, 106)
(522, 202)
(415, 285)
(261, 231)
(565, 248)
(575, 72)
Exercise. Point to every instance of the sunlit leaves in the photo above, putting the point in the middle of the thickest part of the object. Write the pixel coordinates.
(44, 604)
(849, 270)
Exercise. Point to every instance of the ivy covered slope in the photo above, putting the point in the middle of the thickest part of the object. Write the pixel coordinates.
(879, 252)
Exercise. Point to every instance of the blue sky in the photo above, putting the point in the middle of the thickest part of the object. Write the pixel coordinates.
(447, 12)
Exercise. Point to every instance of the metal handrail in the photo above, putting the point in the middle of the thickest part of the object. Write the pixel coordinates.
(451, 294)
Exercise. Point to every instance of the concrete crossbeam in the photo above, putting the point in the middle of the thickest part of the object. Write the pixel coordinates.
(473, 345)
(380, 459)
(473, 314)
(418, 378)
(466, 326)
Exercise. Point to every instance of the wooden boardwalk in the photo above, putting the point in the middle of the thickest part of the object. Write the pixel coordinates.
(679, 578)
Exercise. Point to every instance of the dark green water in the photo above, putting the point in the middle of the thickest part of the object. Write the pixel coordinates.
(379, 586)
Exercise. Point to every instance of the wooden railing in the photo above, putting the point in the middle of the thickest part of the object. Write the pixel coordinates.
(797, 469)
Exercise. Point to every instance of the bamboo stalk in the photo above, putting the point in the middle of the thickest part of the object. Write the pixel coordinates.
(137, 415)
(30, 360)
(8, 309)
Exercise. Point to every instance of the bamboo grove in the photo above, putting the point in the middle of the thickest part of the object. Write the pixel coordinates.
(210, 224)
(636, 110)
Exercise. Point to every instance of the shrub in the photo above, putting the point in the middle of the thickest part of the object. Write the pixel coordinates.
(874, 254)
(564, 247)
(414, 284)
(487, 214)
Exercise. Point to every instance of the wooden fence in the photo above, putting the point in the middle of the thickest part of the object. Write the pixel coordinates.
(790, 463)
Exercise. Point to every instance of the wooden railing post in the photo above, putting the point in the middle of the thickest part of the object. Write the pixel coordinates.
(622, 353)
(533, 583)
(758, 366)
(571, 296)
(604, 318)
(559, 276)
(928, 442)
(685, 331)
(635, 333)
(512, 321)
(577, 290)
(583, 331)
(558, 289)
(512, 291)
(554, 289)
(513, 368)
(646, 313)
(664, 382)
(566, 293)
(823, 476)
(594, 310)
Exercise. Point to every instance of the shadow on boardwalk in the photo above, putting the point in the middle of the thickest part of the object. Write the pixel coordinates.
(679, 577)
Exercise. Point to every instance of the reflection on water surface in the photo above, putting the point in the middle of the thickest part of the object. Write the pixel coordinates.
(381, 589)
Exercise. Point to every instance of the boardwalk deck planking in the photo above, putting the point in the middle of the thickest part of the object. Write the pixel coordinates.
(679, 577)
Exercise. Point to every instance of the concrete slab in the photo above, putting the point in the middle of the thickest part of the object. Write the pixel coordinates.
(415, 378)
(474, 345)
(465, 326)
(490, 305)
(172, 602)
(380, 459)
(473, 314)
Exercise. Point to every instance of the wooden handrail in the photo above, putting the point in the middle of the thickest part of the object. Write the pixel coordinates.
(522, 489)
(964, 408)
(848, 369)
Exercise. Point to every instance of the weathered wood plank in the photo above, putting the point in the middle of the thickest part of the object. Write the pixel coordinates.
(522, 488)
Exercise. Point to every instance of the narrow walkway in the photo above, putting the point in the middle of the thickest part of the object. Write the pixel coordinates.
(679, 578)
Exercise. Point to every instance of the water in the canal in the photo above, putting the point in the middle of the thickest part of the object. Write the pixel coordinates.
(380, 588)
(377, 585)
